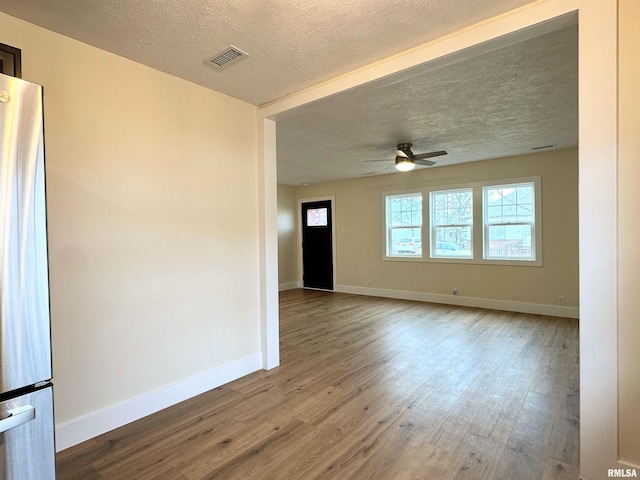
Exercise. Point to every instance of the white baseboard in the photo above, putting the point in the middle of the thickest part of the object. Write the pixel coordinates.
(289, 286)
(507, 305)
(99, 422)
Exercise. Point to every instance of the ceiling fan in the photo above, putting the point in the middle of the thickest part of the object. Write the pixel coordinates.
(406, 160)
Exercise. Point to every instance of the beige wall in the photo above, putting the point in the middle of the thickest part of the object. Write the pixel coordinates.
(288, 270)
(359, 226)
(629, 230)
(153, 234)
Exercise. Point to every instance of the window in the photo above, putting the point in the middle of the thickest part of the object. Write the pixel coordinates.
(509, 222)
(452, 223)
(507, 215)
(404, 225)
(317, 217)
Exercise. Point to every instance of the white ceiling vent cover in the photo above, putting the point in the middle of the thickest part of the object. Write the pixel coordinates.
(226, 57)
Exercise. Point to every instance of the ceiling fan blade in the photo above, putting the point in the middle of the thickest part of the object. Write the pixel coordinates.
(420, 156)
(422, 161)
(404, 153)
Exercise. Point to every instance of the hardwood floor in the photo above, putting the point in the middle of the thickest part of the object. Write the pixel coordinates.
(371, 388)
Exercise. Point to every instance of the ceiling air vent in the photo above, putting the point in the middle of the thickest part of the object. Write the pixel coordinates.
(227, 57)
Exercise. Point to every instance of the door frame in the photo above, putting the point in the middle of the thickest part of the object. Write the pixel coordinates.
(331, 199)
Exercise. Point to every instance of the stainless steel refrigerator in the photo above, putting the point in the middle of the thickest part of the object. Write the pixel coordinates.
(27, 448)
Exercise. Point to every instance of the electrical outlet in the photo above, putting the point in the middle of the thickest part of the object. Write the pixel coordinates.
(561, 300)
(454, 291)
(368, 283)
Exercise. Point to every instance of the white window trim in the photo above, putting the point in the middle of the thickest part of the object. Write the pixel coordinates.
(432, 227)
(477, 232)
(537, 223)
(386, 231)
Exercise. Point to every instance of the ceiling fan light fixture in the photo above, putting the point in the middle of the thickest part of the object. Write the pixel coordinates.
(404, 164)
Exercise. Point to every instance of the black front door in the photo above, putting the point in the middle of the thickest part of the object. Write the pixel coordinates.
(317, 245)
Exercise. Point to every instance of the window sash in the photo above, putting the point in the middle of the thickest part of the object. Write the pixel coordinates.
(517, 211)
(450, 247)
(410, 221)
(435, 207)
(509, 244)
(512, 251)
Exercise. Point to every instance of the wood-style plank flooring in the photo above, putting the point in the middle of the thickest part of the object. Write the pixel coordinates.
(370, 388)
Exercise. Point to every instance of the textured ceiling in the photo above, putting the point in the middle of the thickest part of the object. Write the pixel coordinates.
(292, 44)
(502, 103)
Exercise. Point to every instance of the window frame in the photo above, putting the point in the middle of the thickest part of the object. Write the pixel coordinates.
(433, 241)
(388, 228)
(536, 223)
(477, 233)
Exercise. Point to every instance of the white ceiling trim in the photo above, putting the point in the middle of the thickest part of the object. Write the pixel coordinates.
(525, 22)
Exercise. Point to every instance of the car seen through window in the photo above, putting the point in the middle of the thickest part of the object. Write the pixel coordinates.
(448, 249)
(411, 246)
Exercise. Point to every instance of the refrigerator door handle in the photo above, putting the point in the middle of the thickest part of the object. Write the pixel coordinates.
(17, 416)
